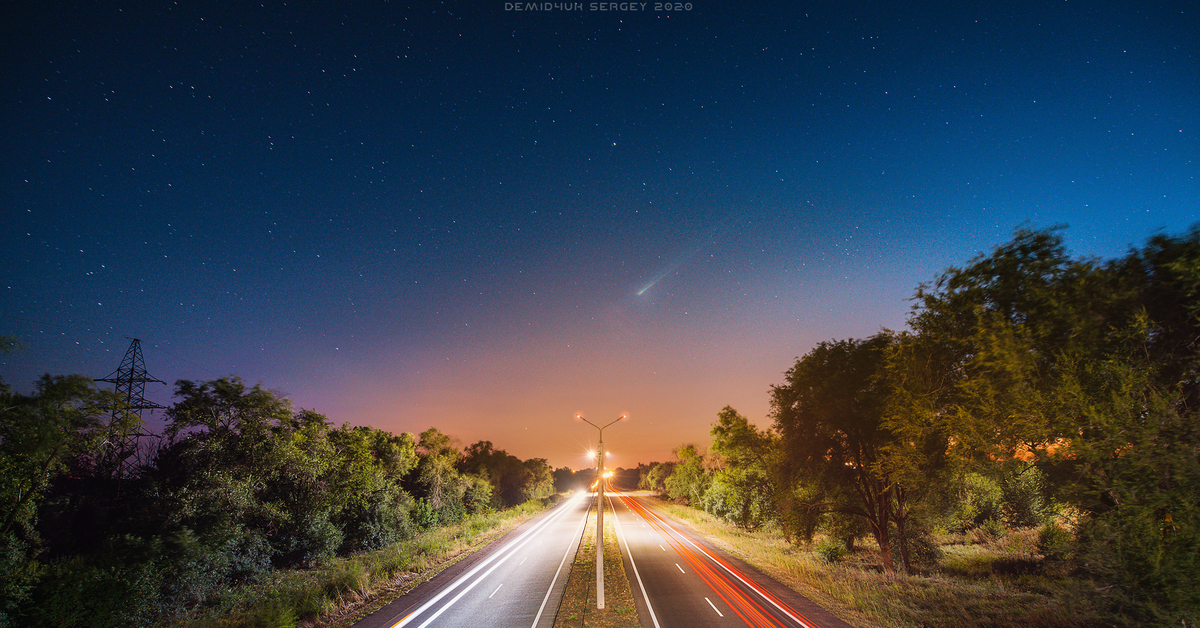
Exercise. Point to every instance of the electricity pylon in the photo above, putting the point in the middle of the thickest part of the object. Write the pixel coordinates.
(125, 426)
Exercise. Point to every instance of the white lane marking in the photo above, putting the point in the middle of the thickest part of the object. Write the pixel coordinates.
(502, 584)
(578, 535)
(515, 544)
(661, 547)
(714, 607)
(522, 561)
(680, 568)
(621, 538)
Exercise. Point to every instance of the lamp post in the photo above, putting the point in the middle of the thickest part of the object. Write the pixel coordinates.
(600, 510)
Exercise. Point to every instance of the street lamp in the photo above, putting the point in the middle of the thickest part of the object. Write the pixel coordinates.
(599, 509)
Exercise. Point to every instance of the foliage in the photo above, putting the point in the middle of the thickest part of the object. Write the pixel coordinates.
(564, 480)
(656, 477)
(1023, 489)
(515, 481)
(1089, 370)
(831, 550)
(830, 417)
(40, 436)
(979, 500)
(741, 491)
(541, 480)
(1028, 383)
(689, 480)
(1054, 542)
(240, 485)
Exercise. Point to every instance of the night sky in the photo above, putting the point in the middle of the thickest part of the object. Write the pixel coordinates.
(454, 214)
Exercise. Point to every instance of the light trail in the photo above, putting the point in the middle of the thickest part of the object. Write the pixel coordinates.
(567, 554)
(502, 554)
(736, 598)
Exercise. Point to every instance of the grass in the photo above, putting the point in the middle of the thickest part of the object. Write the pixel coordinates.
(994, 583)
(578, 607)
(345, 590)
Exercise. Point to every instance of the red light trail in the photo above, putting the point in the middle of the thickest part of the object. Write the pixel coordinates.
(723, 581)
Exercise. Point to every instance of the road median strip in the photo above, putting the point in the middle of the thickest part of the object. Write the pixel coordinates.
(578, 607)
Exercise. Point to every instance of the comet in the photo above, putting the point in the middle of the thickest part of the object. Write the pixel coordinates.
(712, 238)
(670, 269)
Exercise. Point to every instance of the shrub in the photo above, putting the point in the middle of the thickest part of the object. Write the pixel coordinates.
(988, 531)
(114, 588)
(980, 500)
(377, 525)
(18, 574)
(922, 549)
(831, 550)
(424, 515)
(1023, 489)
(1054, 542)
(249, 555)
(308, 542)
(1148, 559)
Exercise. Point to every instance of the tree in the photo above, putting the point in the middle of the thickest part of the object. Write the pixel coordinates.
(656, 477)
(435, 470)
(1090, 370)
(371, 464)
(40, 435)
(742, 490)
(540, 481)
(564, 480)
(829, 414)
(508, 476)
(689, 479)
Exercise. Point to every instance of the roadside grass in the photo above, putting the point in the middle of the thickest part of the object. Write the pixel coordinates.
(993, 583)
(345, 590)
(578, 607)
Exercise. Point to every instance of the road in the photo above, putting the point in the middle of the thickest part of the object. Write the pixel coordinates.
(680, 580)
(516, 582)
(677, 579)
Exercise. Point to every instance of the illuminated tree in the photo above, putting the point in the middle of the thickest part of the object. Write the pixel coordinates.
(829, 414)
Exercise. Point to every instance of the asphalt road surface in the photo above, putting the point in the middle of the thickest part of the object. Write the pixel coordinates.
(680, 580)
(516, 582)
(677, 579)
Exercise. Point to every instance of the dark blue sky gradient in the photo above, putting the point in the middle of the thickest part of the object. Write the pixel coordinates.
(415, 214)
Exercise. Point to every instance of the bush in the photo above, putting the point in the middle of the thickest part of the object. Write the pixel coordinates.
(115, 588)
(309, 542)
(249, 555)
(1023, 489)
(988, 531)
(718, 499)
(452, 511)
(922, 549)
(18, 575)
(190, 571)
(1150, 560)
(478, 495)
(1054, 542)
(846, 528)
(377, 525)
(424, 515)
(831, 550)
(980, 500)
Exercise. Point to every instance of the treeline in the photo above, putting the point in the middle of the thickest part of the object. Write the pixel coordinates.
(239, 485)
(1030, 389)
